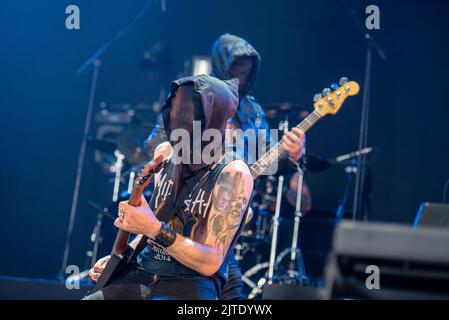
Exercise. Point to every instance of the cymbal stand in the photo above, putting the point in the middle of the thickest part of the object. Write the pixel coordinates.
(268, 277)
(298, 215)
(274, 240)
(95, 237)
(118, 174)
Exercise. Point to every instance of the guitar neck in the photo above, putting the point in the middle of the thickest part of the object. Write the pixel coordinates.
(274, 154)
(122, 239)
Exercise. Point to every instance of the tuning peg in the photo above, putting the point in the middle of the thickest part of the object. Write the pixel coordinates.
(343, 80)
(326, 91)
(317, 97)
(334, 86)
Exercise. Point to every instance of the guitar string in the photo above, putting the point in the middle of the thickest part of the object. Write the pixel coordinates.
(269, 157)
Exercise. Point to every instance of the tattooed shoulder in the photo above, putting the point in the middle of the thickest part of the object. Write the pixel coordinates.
(229, 201)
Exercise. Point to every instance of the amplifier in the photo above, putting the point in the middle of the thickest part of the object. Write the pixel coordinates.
(388, 261)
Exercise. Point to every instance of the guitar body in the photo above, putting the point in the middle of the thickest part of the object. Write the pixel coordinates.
(123, 256)
(116, 266)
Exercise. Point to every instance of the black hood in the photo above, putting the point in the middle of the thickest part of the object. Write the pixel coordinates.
(228, 47)
(214, 104)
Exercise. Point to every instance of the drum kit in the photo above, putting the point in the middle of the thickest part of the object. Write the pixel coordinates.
(256, 250)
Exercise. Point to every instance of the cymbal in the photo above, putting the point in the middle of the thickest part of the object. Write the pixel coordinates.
(130, 143)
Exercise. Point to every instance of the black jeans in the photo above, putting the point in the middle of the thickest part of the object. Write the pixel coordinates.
(138, 284)
(233, 289)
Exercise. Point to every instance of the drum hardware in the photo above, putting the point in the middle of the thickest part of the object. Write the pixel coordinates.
(298, 216)
(118, 171)
(295, 274)
(132, 175)
(239, 251)
(268, 277)
(95, 237)
(256, 287)
(130, 143)
(297, 264)
(295, 271)
(275, 229)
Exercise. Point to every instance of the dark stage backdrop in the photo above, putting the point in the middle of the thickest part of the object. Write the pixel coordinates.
(305, 45)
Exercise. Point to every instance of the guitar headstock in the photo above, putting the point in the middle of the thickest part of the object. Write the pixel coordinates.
(330, 101)
(143, 178)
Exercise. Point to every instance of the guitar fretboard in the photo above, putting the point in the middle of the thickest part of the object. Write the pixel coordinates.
(264, 162)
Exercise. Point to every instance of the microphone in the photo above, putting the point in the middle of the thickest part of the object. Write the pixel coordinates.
(353, 154)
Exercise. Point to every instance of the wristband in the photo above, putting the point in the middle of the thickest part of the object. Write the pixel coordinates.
(166, 236)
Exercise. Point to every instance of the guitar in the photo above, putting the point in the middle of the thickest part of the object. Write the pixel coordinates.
(329, 102)
(122, 255)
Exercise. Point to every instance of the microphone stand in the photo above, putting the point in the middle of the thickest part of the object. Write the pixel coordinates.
(95, 61)
(370, 44)
(350, 170)
(79, 171)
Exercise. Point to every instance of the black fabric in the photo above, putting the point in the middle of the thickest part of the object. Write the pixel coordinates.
(233, 290)
(141, 285)
(225, 50)
(189, 214)
(219, 101)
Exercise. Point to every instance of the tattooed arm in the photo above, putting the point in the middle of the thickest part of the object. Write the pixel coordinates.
(230, 198)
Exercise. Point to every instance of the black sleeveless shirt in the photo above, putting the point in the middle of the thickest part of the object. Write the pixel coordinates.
(185, 210)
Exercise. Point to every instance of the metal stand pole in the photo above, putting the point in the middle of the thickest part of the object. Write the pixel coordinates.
(79, 171)
(363, 135)
(268, 276)
(350, 171)
(274, 240)
(357, 208)
(118, 174)
(298, 216)
(95, 238)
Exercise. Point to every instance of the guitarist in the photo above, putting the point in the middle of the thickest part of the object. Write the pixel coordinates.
(234, 57)
(195, 214)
